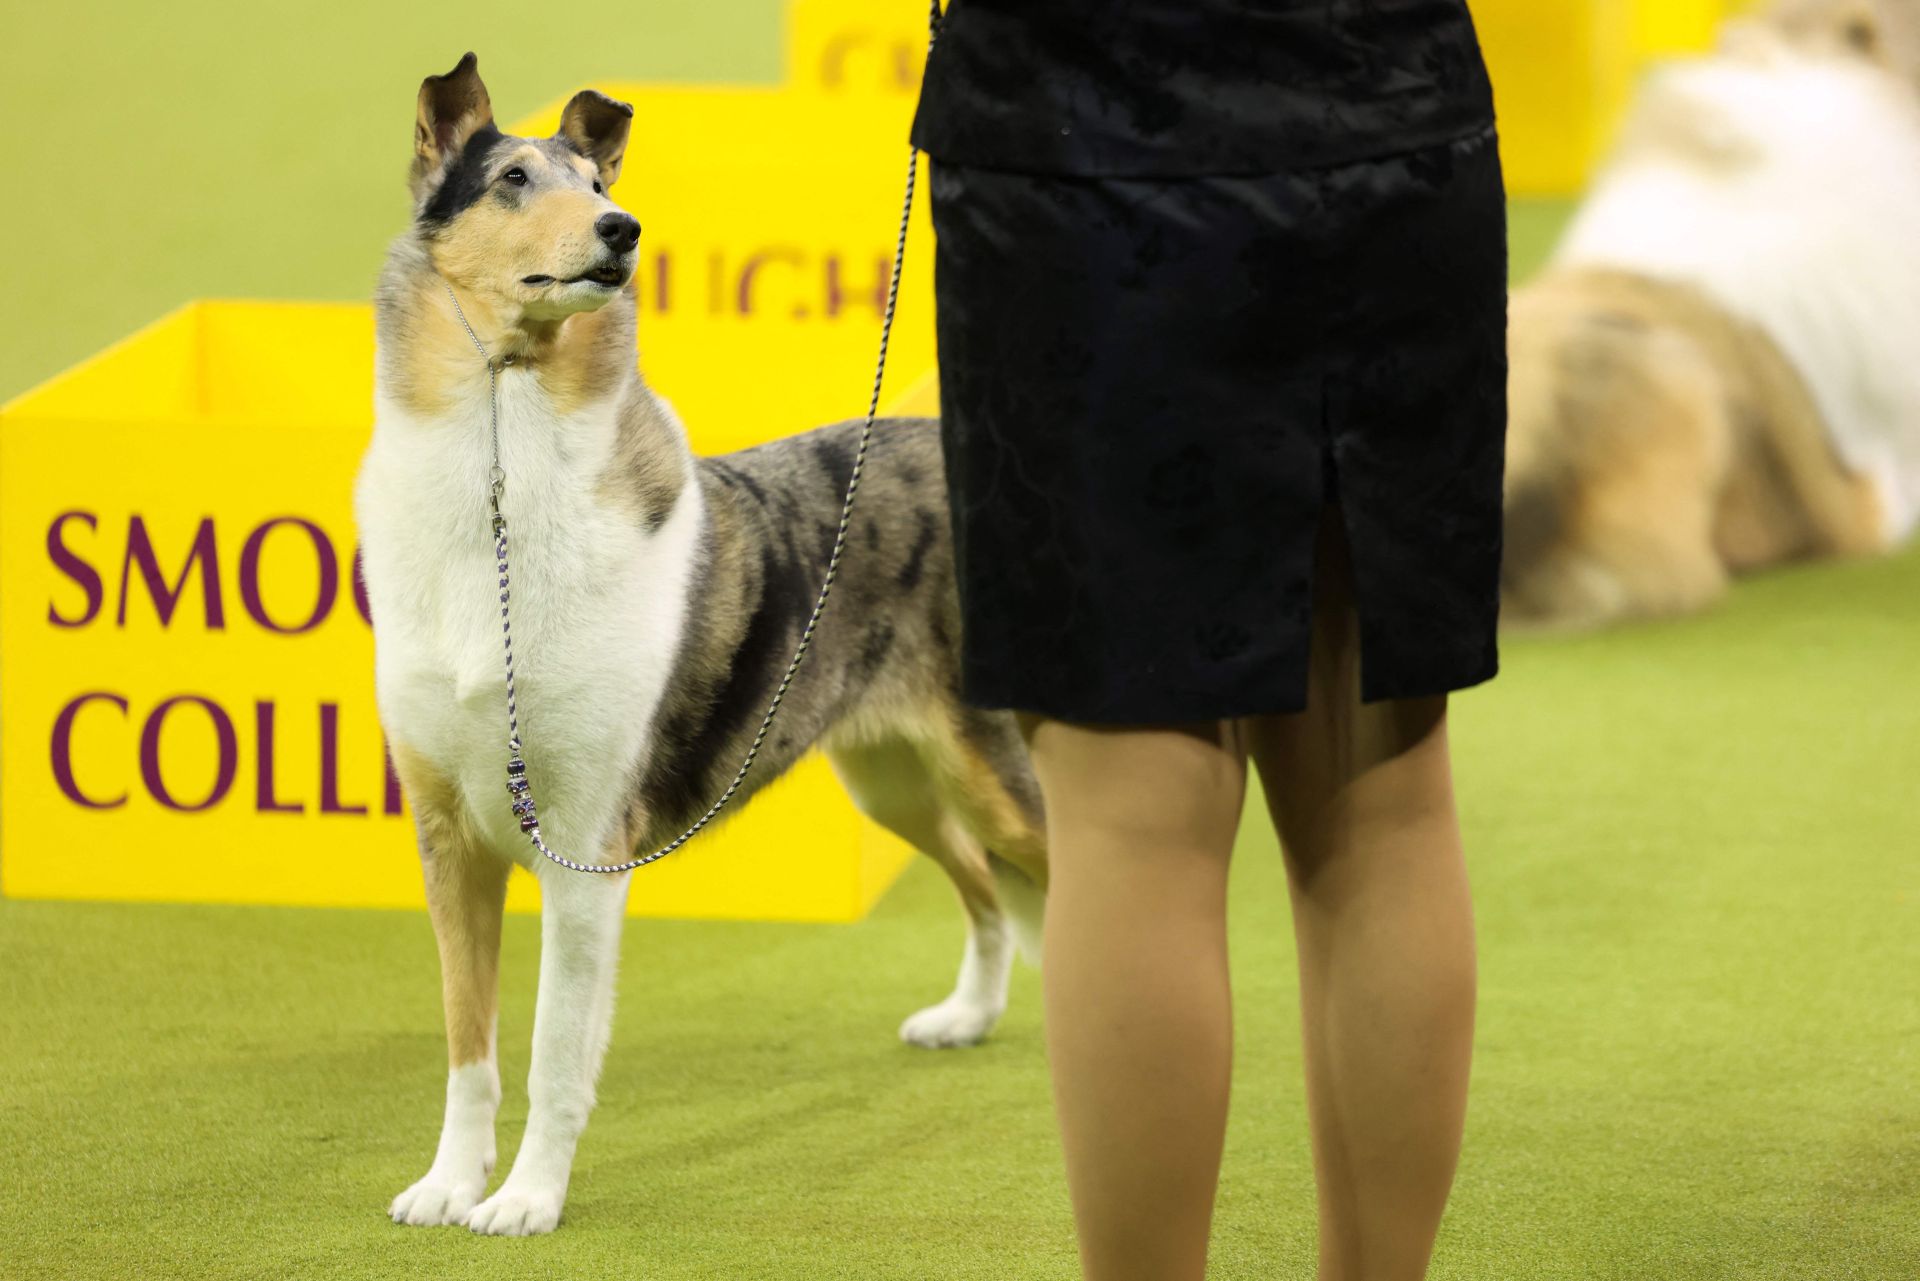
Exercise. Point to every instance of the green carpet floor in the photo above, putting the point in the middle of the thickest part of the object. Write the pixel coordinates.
(1694, 852)
(1694, 846)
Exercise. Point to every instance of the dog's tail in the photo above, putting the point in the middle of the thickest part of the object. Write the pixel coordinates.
(1024, 903)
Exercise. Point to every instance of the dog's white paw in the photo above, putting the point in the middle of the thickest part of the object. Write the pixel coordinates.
(953, 1022)
(516, 1212)
(438, 1199)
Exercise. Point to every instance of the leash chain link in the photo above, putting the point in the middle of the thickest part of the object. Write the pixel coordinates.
(519, 788)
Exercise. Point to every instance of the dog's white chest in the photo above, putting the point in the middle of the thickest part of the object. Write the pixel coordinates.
(597, 603)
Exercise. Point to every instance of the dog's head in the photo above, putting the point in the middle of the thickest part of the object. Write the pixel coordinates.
(524, 223)
(1884, 32)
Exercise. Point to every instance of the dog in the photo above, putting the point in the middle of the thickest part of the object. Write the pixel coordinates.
(1717, 371)
(657, 598)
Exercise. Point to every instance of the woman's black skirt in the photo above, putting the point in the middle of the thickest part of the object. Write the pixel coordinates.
(1152, 387)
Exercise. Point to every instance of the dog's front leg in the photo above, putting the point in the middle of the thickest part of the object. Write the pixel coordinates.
(579, 948)
(466, 893)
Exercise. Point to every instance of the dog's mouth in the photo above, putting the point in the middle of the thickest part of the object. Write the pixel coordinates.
(603, 277)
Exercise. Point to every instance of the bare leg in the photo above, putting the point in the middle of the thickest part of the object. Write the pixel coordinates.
(1363, 800)
(1140, 827)
(466, 894)
(581, 915)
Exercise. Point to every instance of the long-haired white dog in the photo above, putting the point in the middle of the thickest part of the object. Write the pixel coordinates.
(1720, 368)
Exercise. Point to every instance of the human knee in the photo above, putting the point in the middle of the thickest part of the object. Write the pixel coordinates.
(1164, 785)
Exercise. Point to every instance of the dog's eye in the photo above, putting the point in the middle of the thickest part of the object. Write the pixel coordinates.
(518, 177)
(596, 186)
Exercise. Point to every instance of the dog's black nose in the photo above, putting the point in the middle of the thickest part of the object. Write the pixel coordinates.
(620, 231)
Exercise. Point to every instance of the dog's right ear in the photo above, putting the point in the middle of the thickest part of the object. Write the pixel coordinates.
(452, 108)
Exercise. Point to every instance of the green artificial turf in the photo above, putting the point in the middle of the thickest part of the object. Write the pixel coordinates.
(1694, 853)
(1694, 848)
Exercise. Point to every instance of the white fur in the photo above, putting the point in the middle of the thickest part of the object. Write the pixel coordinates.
(1025, 905)
(979, 993)
(464, 1162)
(598, 612)
(598, 606)
(1787, 188)
(572, 1019)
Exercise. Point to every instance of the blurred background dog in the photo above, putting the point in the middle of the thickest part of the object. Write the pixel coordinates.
(1717, 370)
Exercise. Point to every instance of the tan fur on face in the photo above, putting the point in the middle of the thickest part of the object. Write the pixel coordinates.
(466, 897)
(581, 360)
(511, 226)
(492, 246)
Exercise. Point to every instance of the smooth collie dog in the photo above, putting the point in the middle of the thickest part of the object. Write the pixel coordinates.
(1720, 369)
(657, 598)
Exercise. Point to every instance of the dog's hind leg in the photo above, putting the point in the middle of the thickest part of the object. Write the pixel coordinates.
(581, 916)
(893, 787)
(985, 778)
(466, 894)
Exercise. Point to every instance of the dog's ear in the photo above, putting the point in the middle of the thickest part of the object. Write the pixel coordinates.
(1886, 32)
(1898, 37)
(1856, 27)
(452, 108)
(1883, 31)
(596, 126)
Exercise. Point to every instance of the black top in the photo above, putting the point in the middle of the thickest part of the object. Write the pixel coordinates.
(1169, 87)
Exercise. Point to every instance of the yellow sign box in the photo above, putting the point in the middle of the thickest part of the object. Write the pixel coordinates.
(1667, 28)
(1564, 71)
(1561, 72)
(186, 707)
(856, 46)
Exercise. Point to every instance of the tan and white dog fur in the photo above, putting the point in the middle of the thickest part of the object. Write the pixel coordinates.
(1719, 370)
(656, 600)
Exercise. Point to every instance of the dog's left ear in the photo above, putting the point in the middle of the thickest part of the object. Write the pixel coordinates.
(596, 126)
